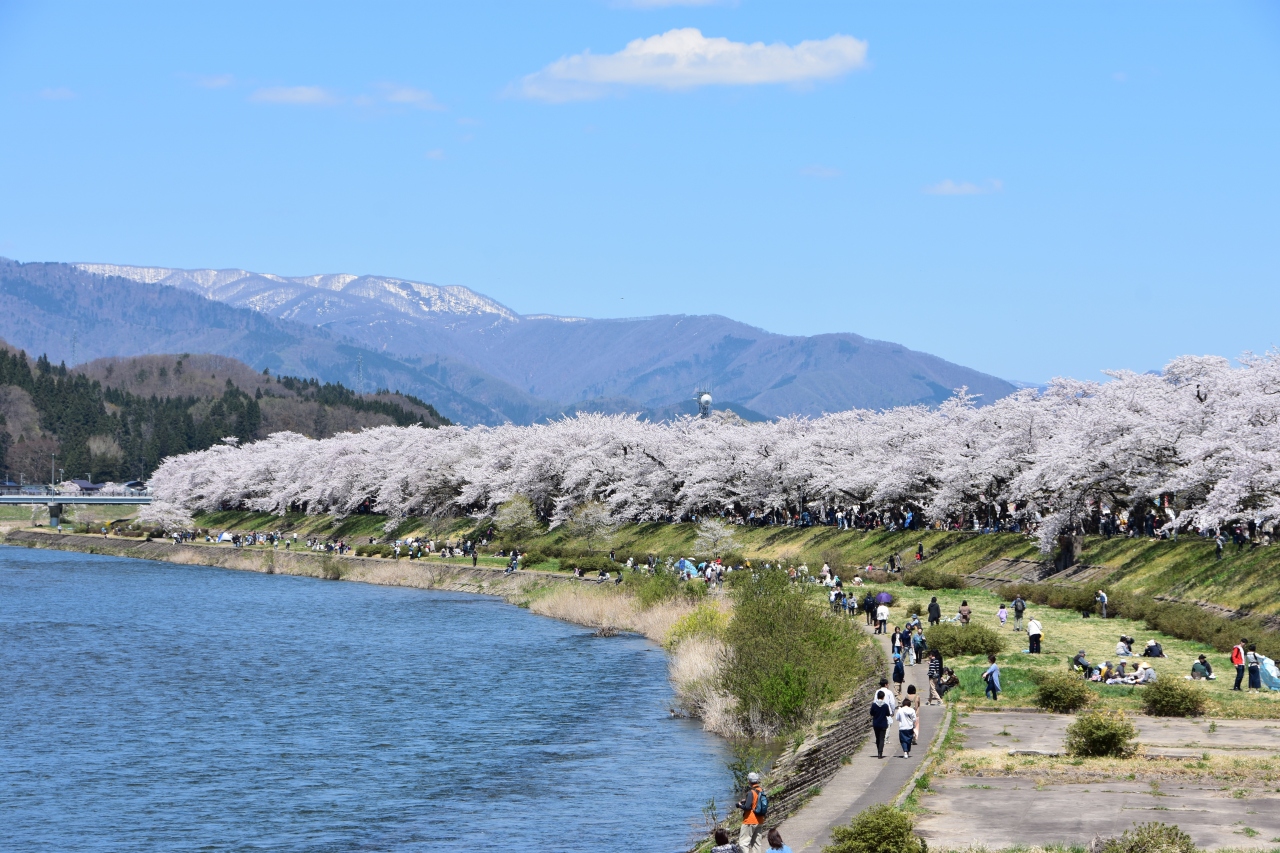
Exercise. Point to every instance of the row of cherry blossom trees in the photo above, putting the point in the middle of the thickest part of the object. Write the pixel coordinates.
(1196, 445)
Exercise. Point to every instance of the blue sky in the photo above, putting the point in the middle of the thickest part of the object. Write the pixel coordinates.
(1030, 189)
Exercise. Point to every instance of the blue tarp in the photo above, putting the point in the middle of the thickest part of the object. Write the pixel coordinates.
(1270, 675)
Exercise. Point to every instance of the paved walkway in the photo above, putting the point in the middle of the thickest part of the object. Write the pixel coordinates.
(1021, 730)
(1000, 812)
(866, 781)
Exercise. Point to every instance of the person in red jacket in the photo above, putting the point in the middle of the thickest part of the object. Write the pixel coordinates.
(1237, 658)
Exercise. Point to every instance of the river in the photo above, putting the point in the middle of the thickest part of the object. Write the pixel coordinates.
(152, 707)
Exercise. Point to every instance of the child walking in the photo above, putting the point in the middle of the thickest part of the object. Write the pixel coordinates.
(1003, 613)
(908, 726)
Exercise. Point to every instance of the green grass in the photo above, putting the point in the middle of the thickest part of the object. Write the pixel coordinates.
(1066, 632)
(1249, 579)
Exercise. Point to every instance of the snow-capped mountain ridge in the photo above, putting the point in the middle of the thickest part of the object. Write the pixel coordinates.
(271, 293)
(533, 366)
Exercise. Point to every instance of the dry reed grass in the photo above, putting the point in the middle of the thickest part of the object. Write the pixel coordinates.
(694, 665)
(604, 607)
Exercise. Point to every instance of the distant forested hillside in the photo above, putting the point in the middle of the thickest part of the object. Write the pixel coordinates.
(115, 419)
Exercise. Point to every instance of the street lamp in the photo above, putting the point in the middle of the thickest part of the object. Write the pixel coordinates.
(52, 464)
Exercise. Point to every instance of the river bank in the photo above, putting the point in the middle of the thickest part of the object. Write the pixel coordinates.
(516, 587)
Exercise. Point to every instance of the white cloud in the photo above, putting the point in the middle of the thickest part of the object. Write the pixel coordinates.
(409, 96)
(60, 93)
(304, 95)
(685, 59)
(825, 172)
(950, 187)
(435, 154)
(214, 81)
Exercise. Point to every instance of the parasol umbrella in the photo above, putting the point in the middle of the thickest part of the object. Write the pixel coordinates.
(883, 598)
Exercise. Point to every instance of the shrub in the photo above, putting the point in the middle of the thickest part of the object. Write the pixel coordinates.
(955, 640)
(928, 577)
(787, 655)
(1062, 693)
(1101, 734)
(1150, 838)
(916, 608)
(706, 621)
(588, 563)
(879, 829)
(652, 589)
(1169, 698)
(532, 559)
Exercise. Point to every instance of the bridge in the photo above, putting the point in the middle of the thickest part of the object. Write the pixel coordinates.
(55, 501)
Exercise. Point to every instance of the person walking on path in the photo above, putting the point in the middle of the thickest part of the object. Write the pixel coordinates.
(965, 612)
(935, 676)
(754, 808)
(908, 727)
(1237, 658)
(992, 678)
(775, 842)
(1019, 607)
(1034, 634)
(899, 675)
(1002, 614)
(882, 619)
(869, 607)
(881, 713)
(935, 611)
(1101, 598)
(723, 844)
(888, 695)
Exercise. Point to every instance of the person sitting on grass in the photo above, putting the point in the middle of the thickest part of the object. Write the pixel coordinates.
(1124, 648)
(1153, 650)
(1201, 669)
(1104, 672)
(1144, 674)
(1082, 663)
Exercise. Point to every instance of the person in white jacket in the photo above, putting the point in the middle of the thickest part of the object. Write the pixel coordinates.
(882, 618)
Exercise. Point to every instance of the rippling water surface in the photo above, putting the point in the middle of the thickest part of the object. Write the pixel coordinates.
(152, 707)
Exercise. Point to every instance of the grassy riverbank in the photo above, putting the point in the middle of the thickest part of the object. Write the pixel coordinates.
(1247, 579)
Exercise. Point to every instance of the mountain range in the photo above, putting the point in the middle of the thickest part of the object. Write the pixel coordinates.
(475, 359)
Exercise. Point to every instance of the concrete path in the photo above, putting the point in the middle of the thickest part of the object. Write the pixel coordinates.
(866, 781)
(1020, 730)
(1000, 812)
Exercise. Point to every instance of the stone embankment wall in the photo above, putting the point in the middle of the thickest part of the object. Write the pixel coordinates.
(797, 774)
(421, 574)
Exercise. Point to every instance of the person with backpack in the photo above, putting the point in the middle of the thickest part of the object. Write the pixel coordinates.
(1019, 607)
(1237, 658)
(869, 606)
(755, 807)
